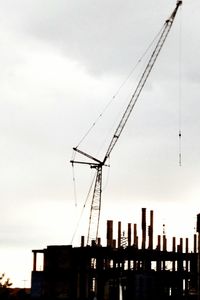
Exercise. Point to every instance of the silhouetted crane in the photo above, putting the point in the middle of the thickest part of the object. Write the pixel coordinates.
(95, 208)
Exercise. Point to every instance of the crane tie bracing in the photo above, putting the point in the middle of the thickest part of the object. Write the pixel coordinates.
(97, 164)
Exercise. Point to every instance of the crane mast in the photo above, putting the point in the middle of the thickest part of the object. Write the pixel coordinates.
(95, 208)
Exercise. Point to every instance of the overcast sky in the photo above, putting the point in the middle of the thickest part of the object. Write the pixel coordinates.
(61, 63)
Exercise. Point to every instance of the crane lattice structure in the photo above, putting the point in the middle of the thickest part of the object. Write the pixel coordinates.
(95, 208)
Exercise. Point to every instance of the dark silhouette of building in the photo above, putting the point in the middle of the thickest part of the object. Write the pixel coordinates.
(121, 269)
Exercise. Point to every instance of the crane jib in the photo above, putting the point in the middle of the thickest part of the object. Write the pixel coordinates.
(142, 81)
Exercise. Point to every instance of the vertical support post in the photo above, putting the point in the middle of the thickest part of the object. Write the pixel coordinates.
(164, 243)
(164, 246)
(143, 228)
(34, 260)
(186, 251)
(143, 236)
(186, 266)
(82, 241)
(135, 241)
(198, 257)
(180, 250)
(174, 250)
(129, 243)
(158, 266)
(181, 245)
(129, 234)
(151, 231)
(195, 243)
(99, 241)
(159, 242)
(109, 233)
(119, 234)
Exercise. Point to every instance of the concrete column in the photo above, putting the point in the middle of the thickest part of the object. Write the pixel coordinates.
(195, 243)
(143, 228)
(129, 234)
(174, 250)
(186, 251)
(119, 234)
(198, 258)
(34, 260)
(151, 230)
(158, 266)
(135, 240)
(109, 233)
(82, 241)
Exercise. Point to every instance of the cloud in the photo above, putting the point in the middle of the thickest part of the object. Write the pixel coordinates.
(61, 63)
(104, 37)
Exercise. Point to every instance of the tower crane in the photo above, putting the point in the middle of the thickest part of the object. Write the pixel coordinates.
(97, 164)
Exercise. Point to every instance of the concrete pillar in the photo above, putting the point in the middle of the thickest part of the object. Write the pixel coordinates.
(119, 234)
(198, 258)
(174, 250)
(82, 241)
(181, 245)
(164, 243)
(109, 233)
(186, 251)
(129, 234)
(151, 230)
(180, 250)
(135, 240)
(158, 266)
(186, 265)
(159, 243)
(34, 260)
(143, 228)
(195, 243)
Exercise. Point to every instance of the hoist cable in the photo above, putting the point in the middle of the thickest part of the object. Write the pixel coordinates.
(119, 89)
(180, 93)
(87, 197)
(74, 184)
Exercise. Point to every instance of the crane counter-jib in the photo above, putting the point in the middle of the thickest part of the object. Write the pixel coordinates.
(95, 207)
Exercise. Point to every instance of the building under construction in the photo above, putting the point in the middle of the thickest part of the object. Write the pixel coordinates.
(122, 269)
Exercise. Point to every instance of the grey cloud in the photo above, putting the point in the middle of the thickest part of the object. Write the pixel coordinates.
(104, 36)
(60, 63)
